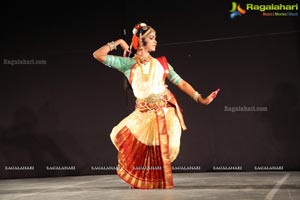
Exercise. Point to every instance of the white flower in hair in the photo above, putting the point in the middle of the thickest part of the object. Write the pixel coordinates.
(143, 24)
(137, 27)
(134, 31)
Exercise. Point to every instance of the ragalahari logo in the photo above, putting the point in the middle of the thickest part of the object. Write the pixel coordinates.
(236, 10)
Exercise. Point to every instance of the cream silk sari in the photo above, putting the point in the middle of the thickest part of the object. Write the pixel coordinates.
(148, 140)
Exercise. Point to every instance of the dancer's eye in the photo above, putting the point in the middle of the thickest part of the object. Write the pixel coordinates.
(151, 37)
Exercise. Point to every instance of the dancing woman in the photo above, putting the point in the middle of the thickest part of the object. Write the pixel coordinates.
(148, 139)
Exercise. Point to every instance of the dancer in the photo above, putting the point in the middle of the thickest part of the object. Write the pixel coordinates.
(148, 139)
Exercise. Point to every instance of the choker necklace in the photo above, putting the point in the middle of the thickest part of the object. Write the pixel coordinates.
(142, 60)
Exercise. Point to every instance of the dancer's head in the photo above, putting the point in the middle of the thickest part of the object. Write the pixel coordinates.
(144, 36)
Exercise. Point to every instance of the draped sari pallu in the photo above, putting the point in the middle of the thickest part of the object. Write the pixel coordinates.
(148, 166)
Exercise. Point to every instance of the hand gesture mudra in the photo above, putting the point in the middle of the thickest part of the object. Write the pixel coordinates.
(211, 97)
(125, 47)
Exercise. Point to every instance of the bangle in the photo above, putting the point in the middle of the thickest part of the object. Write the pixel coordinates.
(112, 45)
(196, 95)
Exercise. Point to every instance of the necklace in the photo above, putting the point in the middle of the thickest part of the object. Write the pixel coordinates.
(142, 60)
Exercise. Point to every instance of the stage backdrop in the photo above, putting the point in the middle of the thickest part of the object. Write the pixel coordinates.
(58, 104)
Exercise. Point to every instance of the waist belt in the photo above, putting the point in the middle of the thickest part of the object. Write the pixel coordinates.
(153, 102)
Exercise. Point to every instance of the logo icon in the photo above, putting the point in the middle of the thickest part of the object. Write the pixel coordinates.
(236, 10)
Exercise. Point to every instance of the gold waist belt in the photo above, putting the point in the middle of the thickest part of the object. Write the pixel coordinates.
(153, 101)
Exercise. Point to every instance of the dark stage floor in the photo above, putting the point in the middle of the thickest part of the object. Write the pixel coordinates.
(217, 185)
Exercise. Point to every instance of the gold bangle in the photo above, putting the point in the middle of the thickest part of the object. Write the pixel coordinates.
(196, 95)
(112, 45)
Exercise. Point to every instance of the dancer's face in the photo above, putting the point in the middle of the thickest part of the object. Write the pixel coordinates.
(151, 42)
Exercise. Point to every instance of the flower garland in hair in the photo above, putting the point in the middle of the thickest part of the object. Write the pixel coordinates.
(135, 38)
(135, 42)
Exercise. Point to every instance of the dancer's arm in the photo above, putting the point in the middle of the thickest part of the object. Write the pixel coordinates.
(189, 90)
(101, 53)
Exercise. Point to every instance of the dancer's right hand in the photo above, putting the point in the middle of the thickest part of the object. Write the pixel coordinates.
(124, 46)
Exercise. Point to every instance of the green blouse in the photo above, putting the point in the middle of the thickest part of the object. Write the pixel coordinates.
(124, 65)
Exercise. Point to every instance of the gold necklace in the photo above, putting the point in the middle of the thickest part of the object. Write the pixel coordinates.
(143, 60)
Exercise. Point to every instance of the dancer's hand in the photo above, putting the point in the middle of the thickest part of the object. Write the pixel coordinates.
(124, 46)
(211, 97)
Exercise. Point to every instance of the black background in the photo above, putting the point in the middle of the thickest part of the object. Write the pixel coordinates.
(61, 113)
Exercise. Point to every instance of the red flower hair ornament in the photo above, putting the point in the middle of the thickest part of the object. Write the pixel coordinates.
(135, 38)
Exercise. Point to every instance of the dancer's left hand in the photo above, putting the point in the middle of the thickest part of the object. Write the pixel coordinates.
(211, 97)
